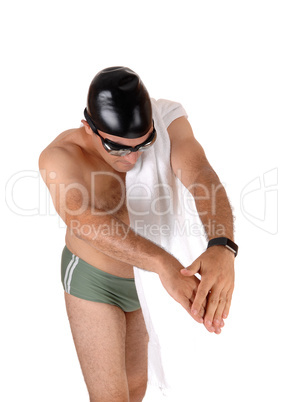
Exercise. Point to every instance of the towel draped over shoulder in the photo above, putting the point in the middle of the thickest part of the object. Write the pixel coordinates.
(162, 210)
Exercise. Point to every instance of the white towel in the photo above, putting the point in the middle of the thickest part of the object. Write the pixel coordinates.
(162, 210)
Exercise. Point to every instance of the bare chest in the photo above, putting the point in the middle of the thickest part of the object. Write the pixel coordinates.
(107, 191)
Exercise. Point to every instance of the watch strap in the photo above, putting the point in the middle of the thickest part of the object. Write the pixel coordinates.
(224, 241)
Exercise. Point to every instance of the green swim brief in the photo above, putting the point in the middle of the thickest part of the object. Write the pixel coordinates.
(83, 280)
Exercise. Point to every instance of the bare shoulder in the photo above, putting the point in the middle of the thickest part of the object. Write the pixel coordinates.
(187, 154)
(60, 158)
(183, 142)
(62, 167)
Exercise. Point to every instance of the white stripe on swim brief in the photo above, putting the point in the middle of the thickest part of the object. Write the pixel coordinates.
(71, 269)
(67, 271)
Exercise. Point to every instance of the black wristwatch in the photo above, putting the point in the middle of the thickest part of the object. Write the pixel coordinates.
(224, 241)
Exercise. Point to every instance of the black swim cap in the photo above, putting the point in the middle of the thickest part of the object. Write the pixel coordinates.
(119, 104)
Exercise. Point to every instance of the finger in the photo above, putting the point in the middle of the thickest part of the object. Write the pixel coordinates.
(186, 272)
(200, 315)
(210, 328)
(228, 304)
(217, 319)
(212, 305)
(191, 270)
(201, 312)
(197, 318)
(186, 303)
(200, 297)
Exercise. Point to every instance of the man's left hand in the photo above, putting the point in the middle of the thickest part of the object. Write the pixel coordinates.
(216, 267)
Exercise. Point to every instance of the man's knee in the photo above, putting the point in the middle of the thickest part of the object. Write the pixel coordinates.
(137, 388)
(117, 395)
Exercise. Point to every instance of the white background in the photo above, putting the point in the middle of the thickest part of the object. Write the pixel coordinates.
(223, 61)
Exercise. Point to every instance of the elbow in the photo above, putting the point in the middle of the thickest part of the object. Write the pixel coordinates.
(83, 228)
(77, 229)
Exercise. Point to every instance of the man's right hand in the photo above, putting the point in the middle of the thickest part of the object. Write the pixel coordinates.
(183, 289)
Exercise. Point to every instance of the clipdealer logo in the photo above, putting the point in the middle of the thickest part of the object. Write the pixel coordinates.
(27, 195)
(259, 201)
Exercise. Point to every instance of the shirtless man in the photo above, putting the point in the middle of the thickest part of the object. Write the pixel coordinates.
(97, 266)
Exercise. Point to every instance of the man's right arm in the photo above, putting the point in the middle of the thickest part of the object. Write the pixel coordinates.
(122, 244)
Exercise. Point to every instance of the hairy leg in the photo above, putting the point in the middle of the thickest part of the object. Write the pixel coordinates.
(99, 333)
(136, 355)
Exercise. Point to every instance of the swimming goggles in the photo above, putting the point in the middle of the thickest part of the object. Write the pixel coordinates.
(113, 148)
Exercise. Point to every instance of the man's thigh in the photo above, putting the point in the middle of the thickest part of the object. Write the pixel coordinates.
(99, 332)
(136, 349)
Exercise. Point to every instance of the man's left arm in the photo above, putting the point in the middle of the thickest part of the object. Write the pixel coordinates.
(216, 264)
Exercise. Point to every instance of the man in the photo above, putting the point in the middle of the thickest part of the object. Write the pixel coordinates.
(85, 170)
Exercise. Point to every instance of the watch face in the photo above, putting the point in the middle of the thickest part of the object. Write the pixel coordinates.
(232, 246)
